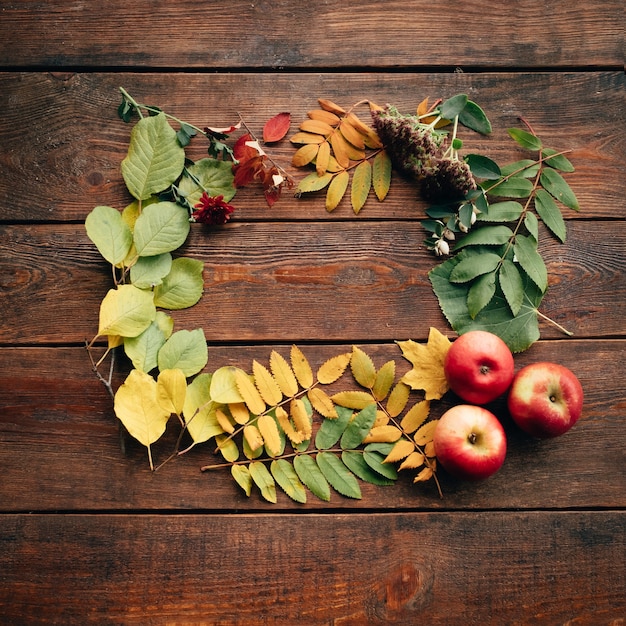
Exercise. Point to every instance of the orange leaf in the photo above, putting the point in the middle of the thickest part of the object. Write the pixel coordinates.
(305, 154)
(337, 190)
(317, 127)
(422, 107)
(352, 135)
(302, 137)
(276, 128)
(324, 116)
(329, 105)
(322, 159)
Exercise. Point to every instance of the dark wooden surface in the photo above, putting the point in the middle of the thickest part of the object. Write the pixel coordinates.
(87, 533)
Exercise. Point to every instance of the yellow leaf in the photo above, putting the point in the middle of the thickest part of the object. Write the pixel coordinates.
(301, 418)
(305, 154)
(324, 116)
(333, 166)
(240, 412)
(353, 399)
(283, 374)
(171, 390)
(126, 311)
(415, 416)
(322, 159)
(269, 431)
(249, 392)
(317, 127)
(227, 447)
(382, 419)
(398, 398)
(355, 121)
(352, 135)
(384, 380)
(302, 138)
(424, 475)
(383, 434)
(322, 403)
(253, 436)
(340, 150)
(362, 368)
(427, 360)
(329, 105)
(301, 367)
(413, 461)
(422, 107)
(283, 419)
(332, 369)
(224, 421)
(337, 190)
(199, 410)
(429, 449)
(361, 184)
(425, 433)
(372, 140)
(400, 451)
(267, 386)
(381, 175)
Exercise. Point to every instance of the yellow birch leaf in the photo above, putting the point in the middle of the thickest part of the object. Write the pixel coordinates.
(362, 368)
(249, 393)
(381, 175)
(224, 421)
(304, 138)
(329, 105)
(413, 461)
(340, 150)
(305, 154)
(351, 134)
(171, 390)
(415, 416)
(383, 434)
(427, 360)
(240, 412)
(283, 374)
(269, 431)
(424, 475)
(322, 403)
(330, 118)
(253, 436)
(400, 451)
(300, 417)
(227, 447)
(265, 383)
(398, 398)
(382, 419)
(317, 127)
(353, 399)
(301, 367)
(126, 311)
(361, 184)
(114, 341)
(333, 369)
(322, 158)
(384, 380)
(425, 433)
(337, 190)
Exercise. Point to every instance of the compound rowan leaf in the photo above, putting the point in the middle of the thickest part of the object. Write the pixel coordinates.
(266, 384)
(351, 134)
(303, 138)
(341, 149)
(283, 374)
(301, 367)
(550, 214)
(333, 369)
(427, 373)
(316, 126)
(276, 127)
(424, 475)
(287, 478)
(227, 447)
(301, 418)
(362, 368)
(376, 460)
(225, 421)
(337, 190)
(253, 437)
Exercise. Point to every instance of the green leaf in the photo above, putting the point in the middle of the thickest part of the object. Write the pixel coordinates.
(263, 480)
(480, 293)
(182, 287)
(313, 182)
(155, 159)
(356, 463)
(242, 475)
(143, 349)
(224, 386)
(453, 106)
(110, 233)
(508, 211)
(338, 475)
(474, 118)
(199, 410)
(185, 350)
(161, 227)
(361, 184)
(358, 428)
(486, 236)
(287, 478)
(526, 254)
(311, 475)
(556, 185)
(532, 225)
(149, 271)
(525, 139)
(526, 168)
(512, 285)
(550, 214)
(558, 162)
(483, 167)
(474, 264)
(375, 460)
(514, 187)
(330, 431)
(381, 174)
(212, 175)
(126, 311)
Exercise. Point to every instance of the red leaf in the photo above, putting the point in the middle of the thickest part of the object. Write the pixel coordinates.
(243, 152)
(276, 128)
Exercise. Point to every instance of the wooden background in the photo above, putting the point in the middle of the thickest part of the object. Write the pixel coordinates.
(87, 533)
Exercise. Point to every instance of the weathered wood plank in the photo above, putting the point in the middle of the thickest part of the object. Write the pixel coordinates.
(60, 445)
(340, 281)
(63, 144)
(439, 568)
(315, 34)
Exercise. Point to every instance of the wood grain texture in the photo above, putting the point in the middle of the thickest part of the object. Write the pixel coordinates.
(60, 448)
(315, 34)
(63, 143)
(343, 569)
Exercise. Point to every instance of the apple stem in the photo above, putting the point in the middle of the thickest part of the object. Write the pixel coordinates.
(549, 319)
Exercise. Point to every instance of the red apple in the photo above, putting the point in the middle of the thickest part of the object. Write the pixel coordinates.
(545, 399)
(470, 442)
(479, 367)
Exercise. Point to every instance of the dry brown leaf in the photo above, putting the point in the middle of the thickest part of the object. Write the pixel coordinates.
(413, 461)
(322, 159)
(398, 398)
(301, 367)
(269, 431)
(283, 374)
(424, 434)
(400, 451)
(240, 412)
(265, 383)
(317, 127)
(324, 116)
(427, 360)
(302, 137)
(332, 369)
(383, 434)
(304, 155)
(329, 105)
(322, 403)
(249, 392)
(362, 368)
(415, 416)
